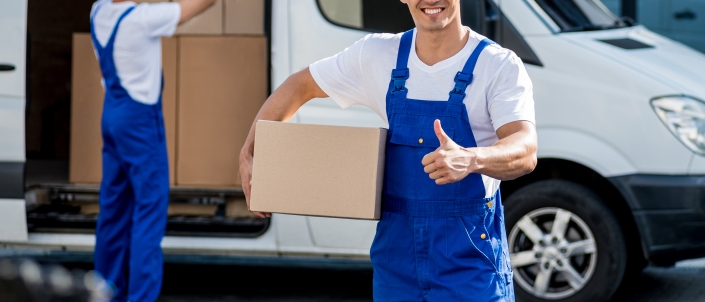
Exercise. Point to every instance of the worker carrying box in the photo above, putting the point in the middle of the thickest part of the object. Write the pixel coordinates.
(134, 191)
(460, 111)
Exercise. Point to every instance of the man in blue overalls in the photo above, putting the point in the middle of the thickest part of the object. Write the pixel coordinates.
(461, 118)
(134, 192)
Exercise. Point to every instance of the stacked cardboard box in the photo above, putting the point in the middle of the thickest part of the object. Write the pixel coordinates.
(215, 73)
(85, 163)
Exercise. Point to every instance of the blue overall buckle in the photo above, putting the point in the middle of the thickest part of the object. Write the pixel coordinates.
(462, 80)
(399, 76)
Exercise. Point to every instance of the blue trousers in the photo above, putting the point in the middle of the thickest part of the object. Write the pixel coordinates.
(419, 257)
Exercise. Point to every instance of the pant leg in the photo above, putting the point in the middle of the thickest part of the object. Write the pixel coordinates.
(468, 259)
(394, 260)
(143, 147)
(151, 183)
(112, 246)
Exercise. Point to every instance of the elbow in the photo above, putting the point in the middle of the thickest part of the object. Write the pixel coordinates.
(530, 164)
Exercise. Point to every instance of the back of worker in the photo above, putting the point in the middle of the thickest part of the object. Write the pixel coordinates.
(134, 192)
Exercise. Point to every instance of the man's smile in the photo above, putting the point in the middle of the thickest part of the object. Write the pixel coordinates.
(432, 10)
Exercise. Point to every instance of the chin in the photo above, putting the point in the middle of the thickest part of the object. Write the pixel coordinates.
(433, 26)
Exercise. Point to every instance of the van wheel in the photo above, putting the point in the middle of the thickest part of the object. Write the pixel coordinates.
(564, 243)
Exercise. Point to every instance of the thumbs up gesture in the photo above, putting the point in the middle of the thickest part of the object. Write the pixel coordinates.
(450, 162)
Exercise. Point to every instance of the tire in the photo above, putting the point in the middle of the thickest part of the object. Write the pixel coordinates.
(593, 244)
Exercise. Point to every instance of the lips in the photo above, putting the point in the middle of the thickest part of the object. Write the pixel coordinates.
(432, 10)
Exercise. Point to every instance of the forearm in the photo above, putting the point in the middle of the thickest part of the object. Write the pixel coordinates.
(298, 89)
(509, 158)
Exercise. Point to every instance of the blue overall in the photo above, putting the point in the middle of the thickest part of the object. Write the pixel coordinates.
(134, 193)
(435, 242)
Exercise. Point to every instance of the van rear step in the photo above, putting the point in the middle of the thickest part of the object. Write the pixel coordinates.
(211, 212)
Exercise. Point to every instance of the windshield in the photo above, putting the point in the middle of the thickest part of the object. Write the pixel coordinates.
(580, 15)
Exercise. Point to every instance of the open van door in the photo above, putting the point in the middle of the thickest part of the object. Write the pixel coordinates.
(13, 33)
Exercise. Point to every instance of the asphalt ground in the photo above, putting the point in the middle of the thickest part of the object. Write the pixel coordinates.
(210, 283)
(271, 282)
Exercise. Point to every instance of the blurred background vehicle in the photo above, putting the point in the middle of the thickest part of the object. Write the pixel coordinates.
(680, 20)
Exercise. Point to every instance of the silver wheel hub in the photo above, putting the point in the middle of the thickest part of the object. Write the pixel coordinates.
(553, 253)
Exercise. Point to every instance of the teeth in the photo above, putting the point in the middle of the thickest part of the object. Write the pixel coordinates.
(432, 11)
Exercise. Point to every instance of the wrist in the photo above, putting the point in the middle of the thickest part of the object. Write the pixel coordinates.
(476, 159)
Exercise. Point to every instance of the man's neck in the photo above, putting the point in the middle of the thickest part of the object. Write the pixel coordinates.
(433, 46)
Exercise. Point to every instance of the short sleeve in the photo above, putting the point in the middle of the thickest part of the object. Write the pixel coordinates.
(510, 94)
(161, 19)
(341, 78)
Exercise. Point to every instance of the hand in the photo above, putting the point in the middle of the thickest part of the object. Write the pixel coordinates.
(449, 163)
(246, 176)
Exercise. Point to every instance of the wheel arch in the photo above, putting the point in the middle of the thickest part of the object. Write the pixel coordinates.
(560, 169)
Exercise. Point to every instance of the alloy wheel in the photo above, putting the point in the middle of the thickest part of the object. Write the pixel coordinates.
(553, 253)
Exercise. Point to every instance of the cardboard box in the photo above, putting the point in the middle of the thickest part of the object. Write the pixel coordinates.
(222, 85)
(87, 94)
(244, 17)
(189, 209)
(318, 170)
(209, 22)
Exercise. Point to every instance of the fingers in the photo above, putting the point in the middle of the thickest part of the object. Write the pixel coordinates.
(430, 168)
(442, 136)
(262, 215)
(436, 174)
(430, 158)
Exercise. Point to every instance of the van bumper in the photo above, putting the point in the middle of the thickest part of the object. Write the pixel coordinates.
(669, 211)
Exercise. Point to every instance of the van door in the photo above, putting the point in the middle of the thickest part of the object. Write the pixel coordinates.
(13, 24)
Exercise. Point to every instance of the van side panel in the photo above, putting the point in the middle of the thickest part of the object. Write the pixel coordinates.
(13, 221)
(13, 16)
(13, 33)
(584, 149)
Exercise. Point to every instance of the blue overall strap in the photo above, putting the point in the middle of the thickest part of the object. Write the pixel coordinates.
(464, 78)
(112, 35)
(401, 73)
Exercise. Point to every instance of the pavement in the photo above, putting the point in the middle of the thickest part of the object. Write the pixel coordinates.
(210, 283)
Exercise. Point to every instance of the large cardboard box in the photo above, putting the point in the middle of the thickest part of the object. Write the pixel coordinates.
(222, 85)
(210, 22)
(85, 159)
(318, 170)
(244, 17)
(85, 162)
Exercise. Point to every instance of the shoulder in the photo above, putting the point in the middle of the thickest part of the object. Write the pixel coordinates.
(152, 10)
(497, 61)
(494, 54)
(379, 45)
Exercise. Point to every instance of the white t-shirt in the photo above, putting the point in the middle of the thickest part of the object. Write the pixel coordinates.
(501, 91)
(138, 47)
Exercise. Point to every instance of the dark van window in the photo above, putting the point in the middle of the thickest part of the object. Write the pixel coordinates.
(389, 16)
(484, 17)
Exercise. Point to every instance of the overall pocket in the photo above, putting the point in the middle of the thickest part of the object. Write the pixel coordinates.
(484, 243)
(404, 172)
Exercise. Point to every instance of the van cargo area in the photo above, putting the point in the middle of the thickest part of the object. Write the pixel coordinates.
(210, 100)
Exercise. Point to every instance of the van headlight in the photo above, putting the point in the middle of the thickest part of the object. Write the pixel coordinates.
(685, 117)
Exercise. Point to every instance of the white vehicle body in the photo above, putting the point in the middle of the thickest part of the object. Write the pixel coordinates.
(592, 110)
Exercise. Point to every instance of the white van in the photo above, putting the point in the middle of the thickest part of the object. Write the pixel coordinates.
(620, 115)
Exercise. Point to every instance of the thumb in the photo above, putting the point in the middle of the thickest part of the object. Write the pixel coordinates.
(442, 136)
